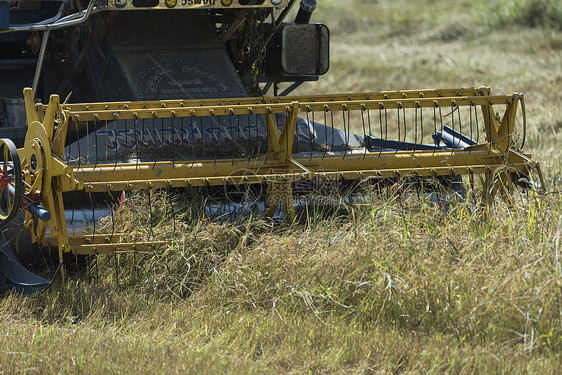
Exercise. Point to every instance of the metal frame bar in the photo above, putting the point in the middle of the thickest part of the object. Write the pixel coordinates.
(277, 167)
(379, 95)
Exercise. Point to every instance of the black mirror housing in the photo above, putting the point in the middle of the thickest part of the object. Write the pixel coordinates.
(299, 49)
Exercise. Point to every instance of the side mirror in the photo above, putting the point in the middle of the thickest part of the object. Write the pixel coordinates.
(299, 49)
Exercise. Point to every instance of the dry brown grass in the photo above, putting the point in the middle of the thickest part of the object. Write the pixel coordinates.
(401, 286)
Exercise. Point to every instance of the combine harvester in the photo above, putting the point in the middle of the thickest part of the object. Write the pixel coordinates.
(170, 95)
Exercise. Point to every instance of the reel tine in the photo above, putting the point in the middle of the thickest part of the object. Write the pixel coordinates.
(440, 117)
(143, 143)
(325, 134)
(295, 144)
(435, 122)
(435, 118)
(201, 130)
(199, 127)
(311, 135)
(453, 126)
(192, 130)
(117, 148)
(240, 130)
(156, 146)
(107, 141)
(183, 137)
(162, 138)
(332, 125)
(135, 122)
(230, 131)
(385, 127)
(380, 126)
(72, 216)
(364, 130)
(238, 133)
(459, 118)
(507, 119)
(172, 141)
(215, 137)
(415, 128)
(66, 156)
(258, 142)
(345, 134)
(78, 143)
(404, 120)
(488, 116)
(470, 119)
(87, 142)
(256, 150)
(126, 134)
(421, 124)
(369, 121)
(249, 128)
(398, 112)
(96, 125)
(477, 126)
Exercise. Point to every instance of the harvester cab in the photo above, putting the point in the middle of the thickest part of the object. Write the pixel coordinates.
(171, 95)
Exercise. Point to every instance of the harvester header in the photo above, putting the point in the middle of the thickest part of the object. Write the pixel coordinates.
(178, 105)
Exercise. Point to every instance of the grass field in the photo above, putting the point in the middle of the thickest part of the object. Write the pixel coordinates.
(401, 286)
